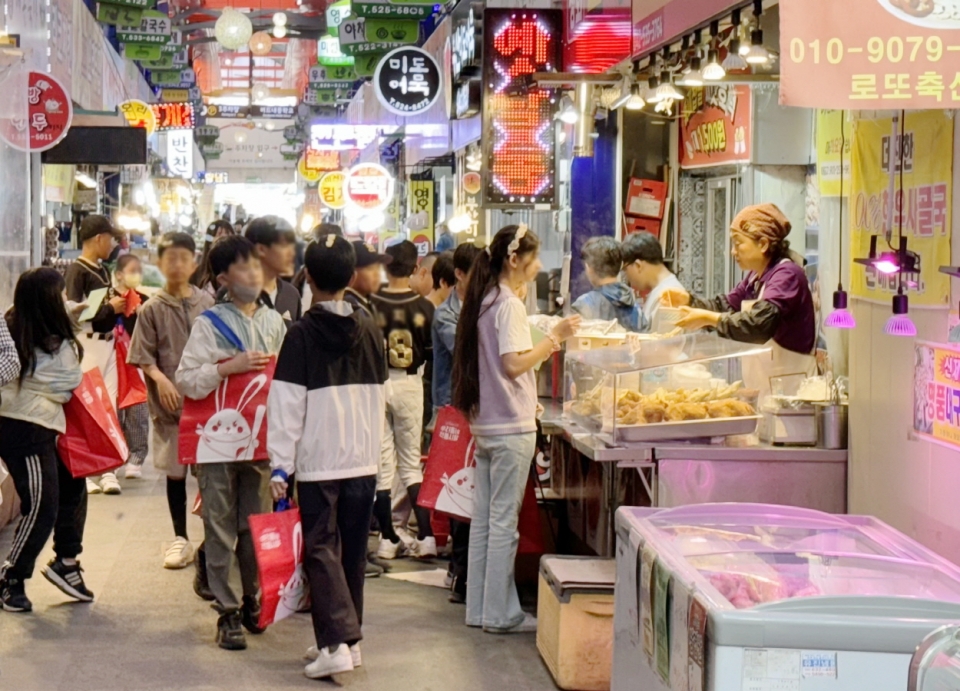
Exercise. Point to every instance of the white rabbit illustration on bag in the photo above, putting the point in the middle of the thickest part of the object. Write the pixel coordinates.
(293, 592)
(227, 436)
(456, 498)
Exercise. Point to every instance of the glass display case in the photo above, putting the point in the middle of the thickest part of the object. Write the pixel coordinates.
(684, 387)
(936, 664)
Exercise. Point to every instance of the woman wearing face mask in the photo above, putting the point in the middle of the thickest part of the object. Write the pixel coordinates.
(134, 420)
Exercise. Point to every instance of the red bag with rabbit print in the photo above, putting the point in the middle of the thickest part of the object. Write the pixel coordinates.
(93, 442)
(278, 546)
(231, 423)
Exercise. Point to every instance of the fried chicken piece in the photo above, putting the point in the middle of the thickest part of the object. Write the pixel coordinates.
(686, 411)
(654, 412)
(729, 407)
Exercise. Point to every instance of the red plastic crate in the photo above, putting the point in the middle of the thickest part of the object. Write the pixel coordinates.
(645, 198)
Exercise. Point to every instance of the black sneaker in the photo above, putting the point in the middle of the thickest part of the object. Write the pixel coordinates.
(458, 592)
(200, 584)
(13, 597)
(373, 570)
(68, 579)
(230, 632)
(250, 615)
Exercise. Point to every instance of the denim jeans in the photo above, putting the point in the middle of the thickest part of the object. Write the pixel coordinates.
(503, 465)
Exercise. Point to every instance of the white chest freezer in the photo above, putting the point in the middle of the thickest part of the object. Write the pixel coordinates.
(752, 597)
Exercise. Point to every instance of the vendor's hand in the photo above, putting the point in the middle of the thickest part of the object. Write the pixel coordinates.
(76, 308)
(675, 297)
(567, 327)
(692, 318)
(169, 396)
(118, 304)
(249, 361)
(278, 489)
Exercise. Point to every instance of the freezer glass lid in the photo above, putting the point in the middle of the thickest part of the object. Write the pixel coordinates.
(747, 580)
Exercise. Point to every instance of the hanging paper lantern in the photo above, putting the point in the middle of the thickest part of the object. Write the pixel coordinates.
(261, 43)
(233, 29)
(259, 92)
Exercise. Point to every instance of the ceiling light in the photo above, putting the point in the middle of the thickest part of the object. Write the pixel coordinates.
(667, 91)
(568, 111)
(840, 318)
(653, 84)
(714, 71)
(635, 102)
(260, 43)
(233, 29)
(757, 54)
(269, 126)
(900, 323)
(694, 77)
(733, 61)
(259, 92)
(280, 19)
(279, 32)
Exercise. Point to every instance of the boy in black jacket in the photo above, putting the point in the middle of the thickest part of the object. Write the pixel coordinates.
(325, 414)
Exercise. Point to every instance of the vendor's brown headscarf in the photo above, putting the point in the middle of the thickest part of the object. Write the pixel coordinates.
(766, 222)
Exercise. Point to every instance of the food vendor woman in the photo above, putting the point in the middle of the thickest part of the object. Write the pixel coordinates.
(772, 304)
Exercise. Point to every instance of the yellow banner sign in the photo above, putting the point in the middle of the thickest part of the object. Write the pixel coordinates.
(420, 206)
(830, 139)
(139, 114)
(330, 190)
(874, 206)
(936, 392)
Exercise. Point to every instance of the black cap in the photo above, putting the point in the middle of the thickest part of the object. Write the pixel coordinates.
(92, 226)
(367, 255)
(404, 252)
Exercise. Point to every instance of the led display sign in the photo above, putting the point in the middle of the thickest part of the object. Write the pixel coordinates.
(518, 117)
(174, 116)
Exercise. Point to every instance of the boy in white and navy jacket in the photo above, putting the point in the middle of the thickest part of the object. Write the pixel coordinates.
(326, 421)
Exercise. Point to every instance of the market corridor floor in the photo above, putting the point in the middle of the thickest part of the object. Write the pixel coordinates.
(147, 630)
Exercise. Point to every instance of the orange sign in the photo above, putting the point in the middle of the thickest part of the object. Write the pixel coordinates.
(139, 114)
(322, 160)
(330, 190)
(895, 54)
(715, 126)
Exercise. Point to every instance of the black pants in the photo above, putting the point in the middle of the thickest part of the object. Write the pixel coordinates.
(51, 500)
(460, 539)
(336, 519)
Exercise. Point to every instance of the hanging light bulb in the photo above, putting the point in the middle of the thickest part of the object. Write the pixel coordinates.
(733, 61)
(714, 71)
(900, 323)
(280, 19)
(694, 77)
(653, 83)
(568, 111)
(840, 318)
(667, 91)
(259, 92)
(757, 54)
(260, 43)
(635, 102)
(279, 31)
(233, 29)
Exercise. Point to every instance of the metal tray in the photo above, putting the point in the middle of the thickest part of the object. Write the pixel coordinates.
(687, 429)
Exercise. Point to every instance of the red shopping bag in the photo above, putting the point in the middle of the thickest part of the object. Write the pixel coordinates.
(448, 476)
(131, 389)
(230, 424)
(278, 546)
(529, 527)
(92, 443)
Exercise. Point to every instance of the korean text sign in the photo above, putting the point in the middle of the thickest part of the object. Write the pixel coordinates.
(48, 113)
(874, 205)
(715, 126)
(869, 54)
(936, 392)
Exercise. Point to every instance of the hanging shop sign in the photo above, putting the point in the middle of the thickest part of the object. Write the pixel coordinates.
(360, 30)
(309, 174)
(139, 114)
(715, 126)
(329, 53)
(518, 132)
(321, 160)
(368, 187)
(174, 116)
(420, 201)
(142, 51)
(119, 15)
(897, 54)
(154, 28)
(927, 192)
(214, 178)
(401, 9)
(936, 392)
(336, 14)
(330, 190)
(462, 62)
(366, 65)
(180, 153)
(830, 139)
(49, 115)
(407, 81)
(180, 95)
(321, 77)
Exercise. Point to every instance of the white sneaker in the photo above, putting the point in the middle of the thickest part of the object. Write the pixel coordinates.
(528, 625)
(132, 472)
(179, 555)
(313, 654)
(425, 548)
(110, 484)
(93, 487)
(390, 550)
(328, 663)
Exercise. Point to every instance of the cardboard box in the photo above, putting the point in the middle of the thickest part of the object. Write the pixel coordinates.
(645, 198)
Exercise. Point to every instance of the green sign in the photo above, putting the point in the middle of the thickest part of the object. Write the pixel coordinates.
(366, 64)
(391, 8)
(142, 4)
(163, 62)
(139, 51)
(369, 47)
(395, 30)
(321, 97)
(336, 13)
(154, 28)
(321, 77)
(119, 15)
(143, 39)
(172, 47)
(335, 61)
(165, 78)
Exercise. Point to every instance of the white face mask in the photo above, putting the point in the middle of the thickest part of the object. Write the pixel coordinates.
(245, 294)
(133, 280)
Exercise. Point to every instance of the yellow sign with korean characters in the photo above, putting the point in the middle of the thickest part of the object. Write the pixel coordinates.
(936, 392)
(875, 209)
(834, 131)
(420, 210)
(870, 54)
(330, 190)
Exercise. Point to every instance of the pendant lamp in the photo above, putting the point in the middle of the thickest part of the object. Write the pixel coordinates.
(841, 318)
(233, 29)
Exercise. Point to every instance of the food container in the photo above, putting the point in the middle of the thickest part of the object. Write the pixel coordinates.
(831, 425)
(666, 318)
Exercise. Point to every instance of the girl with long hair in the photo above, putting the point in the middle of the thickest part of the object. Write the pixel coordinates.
(31, 417)
(494, 385)
(202, 278)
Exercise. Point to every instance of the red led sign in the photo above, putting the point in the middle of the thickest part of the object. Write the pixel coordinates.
(519, 147)
(174, 116)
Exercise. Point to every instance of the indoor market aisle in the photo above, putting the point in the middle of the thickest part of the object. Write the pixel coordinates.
(147, 630)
